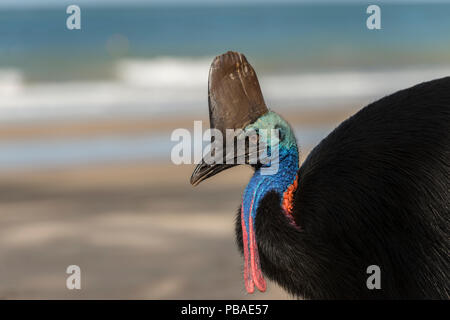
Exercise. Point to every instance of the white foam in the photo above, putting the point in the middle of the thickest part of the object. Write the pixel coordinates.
(11, 82)
(165, 72)
(335, 88)
(179, 85)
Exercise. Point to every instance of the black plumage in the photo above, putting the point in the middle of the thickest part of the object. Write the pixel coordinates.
(376, 190)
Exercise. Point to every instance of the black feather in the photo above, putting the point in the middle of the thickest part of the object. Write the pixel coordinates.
(375, 191)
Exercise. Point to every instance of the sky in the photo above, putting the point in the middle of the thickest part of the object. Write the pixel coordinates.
(42, 3)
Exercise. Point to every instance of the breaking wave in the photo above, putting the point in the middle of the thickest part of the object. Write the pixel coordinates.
(169, 85)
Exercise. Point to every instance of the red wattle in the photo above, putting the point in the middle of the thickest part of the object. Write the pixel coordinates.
(252, 268)
(248, 280)
(257, 275)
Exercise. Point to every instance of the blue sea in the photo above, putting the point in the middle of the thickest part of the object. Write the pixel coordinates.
(277, 38)
(153, 61)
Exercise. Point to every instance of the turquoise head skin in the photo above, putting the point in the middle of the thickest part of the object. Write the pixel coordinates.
(260, 184)
(287, 162)
(272, 120)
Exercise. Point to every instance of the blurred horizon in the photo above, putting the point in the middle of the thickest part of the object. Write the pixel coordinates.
(101, 3)
(151, 65)
(155, 60)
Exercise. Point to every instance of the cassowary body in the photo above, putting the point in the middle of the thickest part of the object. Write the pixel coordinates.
(375, 191)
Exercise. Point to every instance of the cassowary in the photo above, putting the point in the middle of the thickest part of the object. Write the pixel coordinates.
(375, 191)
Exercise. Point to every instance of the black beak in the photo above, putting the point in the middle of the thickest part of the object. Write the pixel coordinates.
(204, 171)
(235, 100)
(247, 150)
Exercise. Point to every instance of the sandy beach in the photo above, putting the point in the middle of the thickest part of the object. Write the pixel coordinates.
(137, 232)
(137, 229)
(80, 128)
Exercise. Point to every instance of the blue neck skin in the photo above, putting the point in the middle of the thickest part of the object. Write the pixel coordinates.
(260, 185)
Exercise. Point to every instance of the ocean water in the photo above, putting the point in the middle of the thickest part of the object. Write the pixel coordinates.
(154, 61)
(148, 61)
(45, 153)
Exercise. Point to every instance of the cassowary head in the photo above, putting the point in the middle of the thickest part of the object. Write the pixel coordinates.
(236, 102)
(261, 138)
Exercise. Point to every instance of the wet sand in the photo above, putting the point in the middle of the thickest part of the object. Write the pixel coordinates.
(94, 127)
(137, 232)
